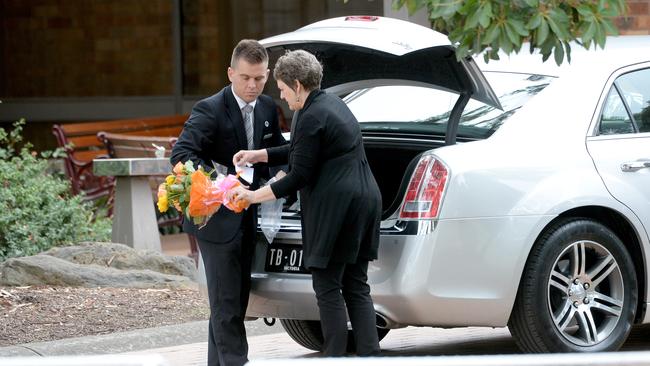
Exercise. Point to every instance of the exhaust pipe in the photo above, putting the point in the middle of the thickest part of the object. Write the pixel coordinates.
(384, 323)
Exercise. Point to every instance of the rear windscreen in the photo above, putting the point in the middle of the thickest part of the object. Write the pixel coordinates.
(421, 110)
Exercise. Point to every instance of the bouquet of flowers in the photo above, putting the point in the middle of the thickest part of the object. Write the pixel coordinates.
(193, 193)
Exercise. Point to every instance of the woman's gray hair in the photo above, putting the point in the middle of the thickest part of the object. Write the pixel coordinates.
(299, 65)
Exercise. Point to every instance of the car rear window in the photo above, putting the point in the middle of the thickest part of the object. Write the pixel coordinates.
(421, 110)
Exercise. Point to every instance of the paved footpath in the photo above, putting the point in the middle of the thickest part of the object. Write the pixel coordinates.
(409, 341)
(184, 345)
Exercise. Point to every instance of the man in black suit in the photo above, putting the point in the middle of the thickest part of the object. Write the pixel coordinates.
(237, 118)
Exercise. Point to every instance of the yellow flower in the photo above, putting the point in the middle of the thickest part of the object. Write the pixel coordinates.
(163, 204)
(170, 179)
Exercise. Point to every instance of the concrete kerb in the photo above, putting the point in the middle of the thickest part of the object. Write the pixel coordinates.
(120, 342)
(573, 359)
(103, 360)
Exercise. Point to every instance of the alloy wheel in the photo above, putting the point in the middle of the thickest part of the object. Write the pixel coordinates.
(585, 293)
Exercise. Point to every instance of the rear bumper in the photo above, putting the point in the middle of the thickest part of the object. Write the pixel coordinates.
(450, 273)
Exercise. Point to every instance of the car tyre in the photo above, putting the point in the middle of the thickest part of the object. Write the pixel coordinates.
(578, 292)
(308, 333)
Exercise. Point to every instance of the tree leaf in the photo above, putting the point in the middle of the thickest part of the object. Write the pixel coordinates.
(469, 7)
(567, 48)
(557, 27)
(547, 47)
(585, 11)
(504, 43)
(559, 15)
(610, 29)
(590, 32)
(414, 5)
(549, 25)
(477, 47)
(512, 34)
(444, 9)
(518, 26)
(619, 5)
(472, 20)
(542, 32)
(398, 4)
(608, 12)
(559, 53)
(462, 52)
(535, 21)
(491, 34)
(600, 37)
(486, 15)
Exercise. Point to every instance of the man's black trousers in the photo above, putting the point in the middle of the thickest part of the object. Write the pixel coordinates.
(228, 274)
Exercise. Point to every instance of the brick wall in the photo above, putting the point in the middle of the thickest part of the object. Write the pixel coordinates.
(206, 46)
(637, 20)
(63, 48)
(81, 48)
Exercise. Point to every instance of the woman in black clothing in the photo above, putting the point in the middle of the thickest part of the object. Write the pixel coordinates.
(339, 197)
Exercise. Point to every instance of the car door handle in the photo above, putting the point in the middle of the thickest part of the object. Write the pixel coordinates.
(633, 166)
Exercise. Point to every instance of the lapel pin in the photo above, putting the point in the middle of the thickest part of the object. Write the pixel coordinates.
(266, 123)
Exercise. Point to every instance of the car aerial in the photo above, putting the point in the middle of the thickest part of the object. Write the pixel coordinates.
(515, 193)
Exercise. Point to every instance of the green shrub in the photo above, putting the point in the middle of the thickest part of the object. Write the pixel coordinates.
(37, 210)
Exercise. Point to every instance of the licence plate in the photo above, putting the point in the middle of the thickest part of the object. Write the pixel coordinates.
(285, 259)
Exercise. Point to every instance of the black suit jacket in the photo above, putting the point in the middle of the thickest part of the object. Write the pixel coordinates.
(215, 132)
(339, 197)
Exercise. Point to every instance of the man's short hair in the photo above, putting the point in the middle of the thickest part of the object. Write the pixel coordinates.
(250, 51)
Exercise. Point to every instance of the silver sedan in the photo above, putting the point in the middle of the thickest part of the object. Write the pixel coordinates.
(515, 193)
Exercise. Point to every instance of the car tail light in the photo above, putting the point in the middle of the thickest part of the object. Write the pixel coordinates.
(425, 189)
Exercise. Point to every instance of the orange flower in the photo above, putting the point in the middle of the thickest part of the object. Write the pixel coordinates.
(204, 201)
(238, 206)
(178, 168)
(177, 205)
(162, 191)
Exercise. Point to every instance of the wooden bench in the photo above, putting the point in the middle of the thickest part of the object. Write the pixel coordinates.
(131, 146)
(81, 146)
(121, 145)
(128, 138)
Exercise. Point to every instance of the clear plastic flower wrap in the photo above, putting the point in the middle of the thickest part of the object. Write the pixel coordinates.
(271, 216)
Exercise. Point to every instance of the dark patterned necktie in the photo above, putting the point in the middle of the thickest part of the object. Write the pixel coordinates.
(248, 124)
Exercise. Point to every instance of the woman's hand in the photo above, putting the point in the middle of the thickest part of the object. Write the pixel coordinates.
(249, 156)
(280, 174)
(240, 193)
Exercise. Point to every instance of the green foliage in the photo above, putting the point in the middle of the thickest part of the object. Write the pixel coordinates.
(37, 211)
(491, 25)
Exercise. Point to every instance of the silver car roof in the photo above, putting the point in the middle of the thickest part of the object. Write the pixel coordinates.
(619, 51)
